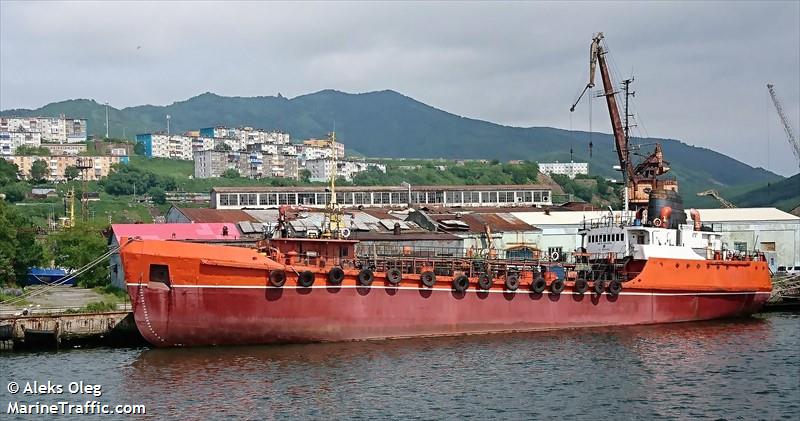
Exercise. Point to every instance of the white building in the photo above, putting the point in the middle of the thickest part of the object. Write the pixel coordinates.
(321, 169)
(570, 169)
(50, 129)
(162, 145)
(383, 196)
(10, 141)
(241, 138)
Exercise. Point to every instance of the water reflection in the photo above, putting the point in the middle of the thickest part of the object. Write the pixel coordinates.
(666, 370)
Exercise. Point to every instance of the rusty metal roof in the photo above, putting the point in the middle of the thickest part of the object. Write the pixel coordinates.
(476, 222)
(404, 236)
(204, 215)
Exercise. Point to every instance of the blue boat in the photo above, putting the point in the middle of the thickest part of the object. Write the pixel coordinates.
(46, 276)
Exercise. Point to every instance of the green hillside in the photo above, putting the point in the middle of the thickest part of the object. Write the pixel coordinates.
(784, 195)
(388, 124)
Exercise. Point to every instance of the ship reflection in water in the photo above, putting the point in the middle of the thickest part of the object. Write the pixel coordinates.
(727, 369)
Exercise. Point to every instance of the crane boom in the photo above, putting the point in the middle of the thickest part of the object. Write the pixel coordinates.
(713, 193)
(641, 179)
(787, 127)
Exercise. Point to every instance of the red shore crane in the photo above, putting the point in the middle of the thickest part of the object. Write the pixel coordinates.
(642, 178)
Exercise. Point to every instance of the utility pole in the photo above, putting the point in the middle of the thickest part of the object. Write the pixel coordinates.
(106, 119)
(168, 117)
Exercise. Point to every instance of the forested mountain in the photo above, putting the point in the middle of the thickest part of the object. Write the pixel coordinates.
(389, 124)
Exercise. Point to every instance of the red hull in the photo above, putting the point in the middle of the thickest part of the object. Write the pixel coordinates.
(220, 315)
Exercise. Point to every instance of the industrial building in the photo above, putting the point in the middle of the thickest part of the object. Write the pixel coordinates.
(382, 196)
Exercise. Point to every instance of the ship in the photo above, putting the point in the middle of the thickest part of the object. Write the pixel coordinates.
(643, 265)
(645, 270)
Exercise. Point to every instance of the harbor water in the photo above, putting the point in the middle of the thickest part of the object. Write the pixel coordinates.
(732, 369)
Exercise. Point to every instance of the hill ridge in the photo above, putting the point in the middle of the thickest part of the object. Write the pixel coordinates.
(388, 124)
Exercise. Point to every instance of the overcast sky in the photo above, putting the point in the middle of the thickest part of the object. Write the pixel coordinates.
(700, 68)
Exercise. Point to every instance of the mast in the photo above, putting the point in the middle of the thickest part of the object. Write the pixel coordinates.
(333, 226)
(628, 93)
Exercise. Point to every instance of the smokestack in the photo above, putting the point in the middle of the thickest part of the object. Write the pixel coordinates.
(224, 231)
(396, 228)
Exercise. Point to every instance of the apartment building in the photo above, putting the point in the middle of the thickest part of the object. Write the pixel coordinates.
(162, 145)
(50, 129)
(321, 169)
(10, 141)
(94, 167)
(312, 149)
(570, 169)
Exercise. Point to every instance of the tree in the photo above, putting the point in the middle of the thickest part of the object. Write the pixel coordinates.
(158, 195)
(15, 192)
(32, 150)
(39, 171)
(138, 148)
(123, 178)
(305, 176)
(230, 173)
(75, 247)
(222, 147)
(19, 249)
(72, 172)
(8, 172)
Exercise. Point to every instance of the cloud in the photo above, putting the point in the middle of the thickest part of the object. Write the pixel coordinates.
(700, 68)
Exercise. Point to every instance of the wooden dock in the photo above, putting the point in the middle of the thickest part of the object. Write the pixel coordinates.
(48, 331)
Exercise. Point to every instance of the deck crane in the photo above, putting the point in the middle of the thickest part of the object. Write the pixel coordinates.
(641, 179)
(787, 127)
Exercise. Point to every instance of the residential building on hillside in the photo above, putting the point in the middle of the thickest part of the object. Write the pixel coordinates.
(570, 169)
(211, 163)
(162, 145)
(319, 149)
(321, 169)
(240, 138)
(10, 141)
(97, 166)
(50, 129)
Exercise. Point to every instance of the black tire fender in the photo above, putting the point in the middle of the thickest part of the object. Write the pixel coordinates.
(538, 286)
(277, 277)
(461, 283)
(336, 275)
(512, 282)
(485, 282)
(305, 279)
(428, 279)
(394, 276)
(581, 286)
(365, 277)
(614, 288)
(598, 287)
